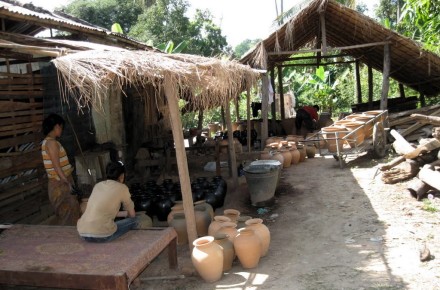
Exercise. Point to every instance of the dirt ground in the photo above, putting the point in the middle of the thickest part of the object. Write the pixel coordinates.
(331, 228)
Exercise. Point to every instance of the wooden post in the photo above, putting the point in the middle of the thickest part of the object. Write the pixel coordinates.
(248, 126)
(222, 112)
(323, 33)
(273, 105)
(231, 149)
(281, 92)
(237, 109)
(401, 90)
(358, 83)
(370, 86)
(385, 77)
(264, 107)
(422, 100)
(182, 163)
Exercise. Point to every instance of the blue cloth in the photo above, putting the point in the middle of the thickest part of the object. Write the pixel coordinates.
(123, 226)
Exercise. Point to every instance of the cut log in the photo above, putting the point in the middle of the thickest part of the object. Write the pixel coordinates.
(419, 189)
(431, 145)
(405, 171)
(396, 161)
(401, 145)
(430, 176)
(426, 119)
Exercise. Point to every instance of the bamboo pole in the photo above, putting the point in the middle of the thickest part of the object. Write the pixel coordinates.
(385, 77)
(280, 88)
(401, 90)
(248, 111)
(231, 149)
(273, 105)
(264, 107)
(358, 83)
(182, 162)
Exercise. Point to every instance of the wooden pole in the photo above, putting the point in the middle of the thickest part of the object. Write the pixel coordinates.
(385, 77)
(323, 33)
(370, 86)
(222, 112)
(248, 111)
(231, 149)
(182, 163)
(273, 105)
(237, 109)
(358, 83)
(422, 100)
(281, 92)
(264, 107)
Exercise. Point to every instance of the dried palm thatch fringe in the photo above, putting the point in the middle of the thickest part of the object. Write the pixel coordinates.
(208, 82)
(277, 47)
(289, 38)
(260, 59)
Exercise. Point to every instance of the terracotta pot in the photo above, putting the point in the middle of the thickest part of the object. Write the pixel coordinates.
(277, 156)
(295, 155)
(179, 224)
(207, 258)
(216, 224)
(310, 151)
(208, 207)
(177, 208)
(241, 221)
(358, 136)
(203, 220)
(331, 133)
(287, 158)
(228, 250)
(233, 214)
(302, 152)
(368, 127)
(247, 246)
(265, 155)
(228, 228)
(262, 232)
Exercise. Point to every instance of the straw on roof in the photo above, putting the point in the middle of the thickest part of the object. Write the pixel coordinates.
(205, 82)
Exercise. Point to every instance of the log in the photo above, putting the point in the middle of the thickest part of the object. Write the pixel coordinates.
(431, 145)
(405, 171)
(401, 145)
(396, 161)
(436, 132)
(419, 189)
(430, 176)
(426, 119)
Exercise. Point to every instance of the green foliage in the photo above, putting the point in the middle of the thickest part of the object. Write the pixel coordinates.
(429, 206)
(169, 47)
(106, 12)
(116, 27)
(244, 46)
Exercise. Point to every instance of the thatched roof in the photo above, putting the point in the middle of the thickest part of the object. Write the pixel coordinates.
(204, 82)
(410, 64)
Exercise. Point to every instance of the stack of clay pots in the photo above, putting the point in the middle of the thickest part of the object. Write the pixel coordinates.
(213, 254)
(283, 150)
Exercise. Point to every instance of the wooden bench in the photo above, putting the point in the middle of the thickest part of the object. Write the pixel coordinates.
(55, 256)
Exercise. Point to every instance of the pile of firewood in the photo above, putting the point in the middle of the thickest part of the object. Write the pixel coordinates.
(417, 141)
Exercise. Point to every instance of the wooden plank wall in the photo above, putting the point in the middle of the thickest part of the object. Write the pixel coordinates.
(22, 177)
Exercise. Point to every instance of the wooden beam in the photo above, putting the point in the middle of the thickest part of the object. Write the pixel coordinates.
(281, 92)
(323, 33)
(401, 90)
(370, 86)
(358, 83)
(316, 63)
(231, 148)
(264, 107)
(248, 111)
(182, 162)
(273, 105)
(330, 49)
(385, 77)
(278, 62)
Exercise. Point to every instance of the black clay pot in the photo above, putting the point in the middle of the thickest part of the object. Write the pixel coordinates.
(163, 208)
(197, 193)
(203, 182)
(211, 199)
(144, 203)
(168, 184)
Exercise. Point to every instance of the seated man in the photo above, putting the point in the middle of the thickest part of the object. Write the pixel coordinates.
(97, 224)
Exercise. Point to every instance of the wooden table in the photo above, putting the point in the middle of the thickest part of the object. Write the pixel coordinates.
(55, 256)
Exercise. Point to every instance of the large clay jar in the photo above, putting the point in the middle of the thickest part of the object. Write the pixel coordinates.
(216, 224)
(179, 224)
(262, 232)
(295, 155)
(310, 151)
(287, 158)
(241, 220)
(357, 137)
(277, 156)
(203, 220)
(265, 155)
(302, 153)
(228, 250)
(333, 134)
(207, 258)
(207, 206)
(233, 214)
(247, 247)
(228, 228)
(177, 208)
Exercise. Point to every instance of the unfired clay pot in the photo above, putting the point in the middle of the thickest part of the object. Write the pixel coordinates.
(247, 246)
(216, 224)
(207, 258)
(228, 228)
(262, 232)
(228, 250)
(233, 214)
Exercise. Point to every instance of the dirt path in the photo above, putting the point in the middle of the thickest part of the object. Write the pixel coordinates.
(336, 229)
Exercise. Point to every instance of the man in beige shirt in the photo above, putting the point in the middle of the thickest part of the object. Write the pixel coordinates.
(97, 224)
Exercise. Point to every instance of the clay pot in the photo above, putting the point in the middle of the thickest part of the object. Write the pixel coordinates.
(241, 221)
(291, 138)
(228, 250)
(330, 134)
(233, 214)
(287, 158)
(216, 224)
(277, 156)
(247, 246)
(179, 224)
(177, 208)
(265, 155)
(358, 136)
(203, 220)
(295, 155)
(310, 151)
(228, 228)
(143, 221)
(302, 152)
(207, 258)
(208, 207)
(223, 146)
(262, 232)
